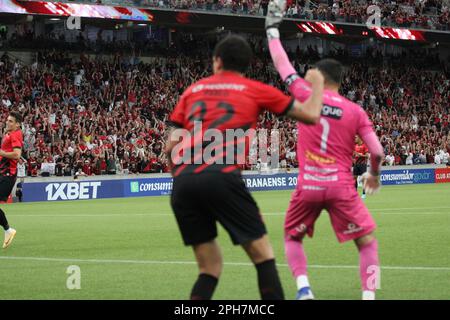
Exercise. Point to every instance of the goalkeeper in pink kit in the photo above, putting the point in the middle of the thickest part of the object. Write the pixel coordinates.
(325, 179)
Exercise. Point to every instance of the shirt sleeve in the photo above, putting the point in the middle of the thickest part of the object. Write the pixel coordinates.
(177, 117)
(274, 100)
(299, 87)
(16, 140)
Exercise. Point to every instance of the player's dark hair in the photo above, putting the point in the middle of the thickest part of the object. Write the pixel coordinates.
(17, 116)
(332, 70)
(235, 53)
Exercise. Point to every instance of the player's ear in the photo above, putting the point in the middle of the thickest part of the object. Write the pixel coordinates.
(217, 64)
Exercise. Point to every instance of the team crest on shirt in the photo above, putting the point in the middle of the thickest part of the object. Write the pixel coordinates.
(332, 112)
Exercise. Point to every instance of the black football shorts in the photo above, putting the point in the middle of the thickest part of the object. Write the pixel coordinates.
(201, 200)
(6, 185)
(359, 169)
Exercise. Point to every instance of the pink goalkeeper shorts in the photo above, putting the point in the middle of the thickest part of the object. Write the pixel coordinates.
(348, 213)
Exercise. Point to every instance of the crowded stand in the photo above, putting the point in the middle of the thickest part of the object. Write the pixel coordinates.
(422, 14)
(108, 114)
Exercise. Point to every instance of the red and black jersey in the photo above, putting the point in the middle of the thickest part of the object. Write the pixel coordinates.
(363, 150)
(224, 101)
(12, 140)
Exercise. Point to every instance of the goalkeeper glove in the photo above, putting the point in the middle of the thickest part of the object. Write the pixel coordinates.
(274, 18)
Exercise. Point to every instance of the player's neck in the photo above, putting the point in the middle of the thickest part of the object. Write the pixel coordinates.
(223, 71)
(331, 88)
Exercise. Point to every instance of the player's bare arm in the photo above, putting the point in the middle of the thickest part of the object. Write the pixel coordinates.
(15, 154)
(171, 141)
(371, 179)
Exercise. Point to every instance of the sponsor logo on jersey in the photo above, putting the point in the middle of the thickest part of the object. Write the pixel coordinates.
(321, 159)
(312, 177)
(219, 86)
(332, 112)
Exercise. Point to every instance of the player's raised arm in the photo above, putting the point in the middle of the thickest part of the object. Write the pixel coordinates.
(279, 57)
(297, 86)
(309, 105)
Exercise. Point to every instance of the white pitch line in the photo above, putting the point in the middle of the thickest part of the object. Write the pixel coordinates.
(375, 212)
(94, 215)
(425, 212)
(246, 264)
(414, 208)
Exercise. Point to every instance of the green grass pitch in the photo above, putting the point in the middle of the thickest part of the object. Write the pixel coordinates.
(131, 249)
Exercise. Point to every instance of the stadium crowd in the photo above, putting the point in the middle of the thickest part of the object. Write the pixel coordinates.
(427, 14)
(108, 115)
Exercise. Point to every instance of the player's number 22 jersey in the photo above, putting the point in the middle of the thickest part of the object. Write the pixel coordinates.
(223, 101)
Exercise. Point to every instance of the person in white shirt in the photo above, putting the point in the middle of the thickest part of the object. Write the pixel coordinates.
(71, 148)
(21, 169)
(77, 79)
(80, 173)
(409, 159)
(65, 120)
(372, 100)
(52, 118)
(335, 9)
(291, 155)
(390, 159)
(6, 102)
(444, 157)
(437, 158)
(80, 108)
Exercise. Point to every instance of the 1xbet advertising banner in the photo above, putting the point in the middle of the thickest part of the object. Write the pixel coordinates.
(74, 190)
(407, 176)
(442, 175)
(85, 190)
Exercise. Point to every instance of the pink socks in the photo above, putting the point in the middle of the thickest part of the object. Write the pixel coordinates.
(295, 256)
(368, 263)
(369, 266)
